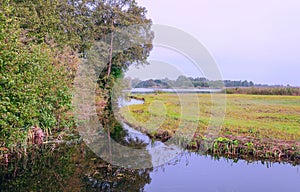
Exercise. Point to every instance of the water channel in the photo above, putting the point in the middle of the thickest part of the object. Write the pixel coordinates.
(73, 167)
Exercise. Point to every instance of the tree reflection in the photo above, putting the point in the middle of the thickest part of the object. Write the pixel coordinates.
(69, 168)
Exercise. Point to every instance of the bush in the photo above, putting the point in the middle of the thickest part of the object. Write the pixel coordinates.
(33, 91)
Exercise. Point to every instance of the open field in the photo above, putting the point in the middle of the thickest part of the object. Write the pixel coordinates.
(276, 117)
(254, 119)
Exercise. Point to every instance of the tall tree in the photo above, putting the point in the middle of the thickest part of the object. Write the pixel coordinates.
(40, 42)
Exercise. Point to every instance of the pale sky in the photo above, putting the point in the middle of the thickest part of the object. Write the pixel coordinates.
(256, 40)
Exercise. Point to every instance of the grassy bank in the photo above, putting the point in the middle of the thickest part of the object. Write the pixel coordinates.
(259, 126)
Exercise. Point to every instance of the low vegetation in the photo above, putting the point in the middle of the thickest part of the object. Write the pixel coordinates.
(293, 91)
(268, 122)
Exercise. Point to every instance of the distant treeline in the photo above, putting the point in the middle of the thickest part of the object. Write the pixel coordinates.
(231, 87)
(190, 82)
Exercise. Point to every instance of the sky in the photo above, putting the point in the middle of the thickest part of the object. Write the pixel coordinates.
(256, 40)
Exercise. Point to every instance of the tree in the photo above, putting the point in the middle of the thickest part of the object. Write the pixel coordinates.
(135, 82)
(183, 81)
(42, 43)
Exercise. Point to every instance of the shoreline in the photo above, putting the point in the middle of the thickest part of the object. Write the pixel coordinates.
(229, 146)
(234, 147)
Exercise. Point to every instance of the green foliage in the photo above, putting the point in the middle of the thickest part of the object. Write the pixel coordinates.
(223, 140)
(33, 92)
(39, 45)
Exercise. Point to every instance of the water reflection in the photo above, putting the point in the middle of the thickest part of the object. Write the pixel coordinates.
(193, 172)
(69, 168)
(159, 152)
(75, 167)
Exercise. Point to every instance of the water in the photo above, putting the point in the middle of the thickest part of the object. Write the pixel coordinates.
(193, 172)
(126, 102)
(153, 90)
(159, 152)
(76, 168)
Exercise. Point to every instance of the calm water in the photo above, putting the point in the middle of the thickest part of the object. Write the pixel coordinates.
(193, 172)
(199, 173)
(73, 167)
(153, 90)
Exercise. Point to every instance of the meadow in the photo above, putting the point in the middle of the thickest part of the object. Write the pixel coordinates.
(268, 123)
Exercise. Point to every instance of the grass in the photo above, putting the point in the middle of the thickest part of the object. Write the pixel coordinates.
(271, 124)
(275, 117)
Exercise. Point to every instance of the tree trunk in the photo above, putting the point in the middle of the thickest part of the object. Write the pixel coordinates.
(110, 54)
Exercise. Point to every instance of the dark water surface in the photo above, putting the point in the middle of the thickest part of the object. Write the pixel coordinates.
(73, 167)
(76, 168)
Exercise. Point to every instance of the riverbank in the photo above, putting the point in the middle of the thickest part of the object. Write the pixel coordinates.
(255, 127)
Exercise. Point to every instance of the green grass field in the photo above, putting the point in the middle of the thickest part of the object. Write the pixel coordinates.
(262, 117)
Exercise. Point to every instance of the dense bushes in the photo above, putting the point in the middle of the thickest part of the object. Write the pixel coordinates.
(33, 91)
(42, 43)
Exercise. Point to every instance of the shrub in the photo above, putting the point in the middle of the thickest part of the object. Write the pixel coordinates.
(33, 91)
